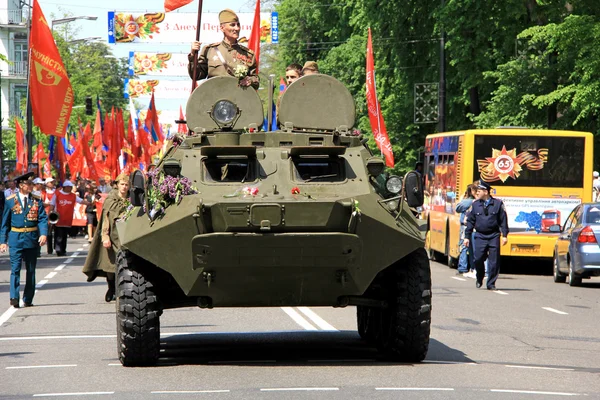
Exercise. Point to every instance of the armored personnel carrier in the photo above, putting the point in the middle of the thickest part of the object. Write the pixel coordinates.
(234, 216)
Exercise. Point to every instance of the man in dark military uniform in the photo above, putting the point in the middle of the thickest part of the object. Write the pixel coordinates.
(486, 222)
(226, 58)
(24, 228)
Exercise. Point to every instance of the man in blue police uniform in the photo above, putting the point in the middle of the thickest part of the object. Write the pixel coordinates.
(488, 219)
(24, 228)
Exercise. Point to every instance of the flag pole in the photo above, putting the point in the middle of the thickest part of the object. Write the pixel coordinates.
(195, 52)
(29, 135)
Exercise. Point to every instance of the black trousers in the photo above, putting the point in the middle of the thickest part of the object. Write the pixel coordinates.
(49, 239)
(60, 242)
(487, 247)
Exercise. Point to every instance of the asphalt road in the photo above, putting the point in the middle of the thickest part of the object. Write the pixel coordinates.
(533, 339)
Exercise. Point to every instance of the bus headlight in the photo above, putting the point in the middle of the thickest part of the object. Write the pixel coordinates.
(224, 113)
(394, 184)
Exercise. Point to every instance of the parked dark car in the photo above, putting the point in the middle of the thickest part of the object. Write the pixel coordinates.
(577, 252)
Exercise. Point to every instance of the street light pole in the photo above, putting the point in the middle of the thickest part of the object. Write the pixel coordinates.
(70, 19)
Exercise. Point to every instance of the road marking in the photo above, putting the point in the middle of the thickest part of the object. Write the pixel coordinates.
(60, 267)
(71, 394)
(188, 391)
(7, 314)
(3, 339)
(534, 392)
(85, 245)
(43, 366)
(75, 254)
(417, 389)
(531, 367)
(41, 283)
(459, 279)
(80, 249)
(555, 311)
(500, 292)
(449, 362)
(316, 319)
(50, 275)
(298, 318)
(115, 365)
(68, 260)
(305, 389)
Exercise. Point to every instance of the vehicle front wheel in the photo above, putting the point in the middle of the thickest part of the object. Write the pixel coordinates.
(138, 314)
(572, 278)
(559, 277)
(405, 325)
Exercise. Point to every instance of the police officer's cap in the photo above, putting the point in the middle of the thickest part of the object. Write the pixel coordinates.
(227, 16)
(24, 178)
(484, 185)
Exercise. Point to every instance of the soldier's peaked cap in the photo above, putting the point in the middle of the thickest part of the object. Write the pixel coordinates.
(24, 178)
(484, 185)
(228, 15)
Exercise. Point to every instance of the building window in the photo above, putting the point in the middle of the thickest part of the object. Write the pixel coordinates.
(18, 95)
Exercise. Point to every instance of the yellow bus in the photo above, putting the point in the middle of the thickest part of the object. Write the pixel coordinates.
(541, 175)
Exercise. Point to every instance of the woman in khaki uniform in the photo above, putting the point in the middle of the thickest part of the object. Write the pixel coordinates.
(103, 250)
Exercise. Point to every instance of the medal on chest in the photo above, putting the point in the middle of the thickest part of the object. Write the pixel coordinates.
(17, 209)
(32, 214)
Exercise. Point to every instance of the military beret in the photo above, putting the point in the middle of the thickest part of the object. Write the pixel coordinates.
(484, 185)
(24, 178)
(312, 65)
(228, 15)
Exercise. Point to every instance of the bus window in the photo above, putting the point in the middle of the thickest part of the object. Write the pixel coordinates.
(539, 161)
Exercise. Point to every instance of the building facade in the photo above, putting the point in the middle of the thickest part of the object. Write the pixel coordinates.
(13, 44)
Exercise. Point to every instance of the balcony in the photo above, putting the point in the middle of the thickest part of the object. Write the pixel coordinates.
(14, 17)
(18, 69)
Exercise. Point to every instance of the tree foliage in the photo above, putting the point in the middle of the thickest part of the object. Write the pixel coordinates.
(532, 63)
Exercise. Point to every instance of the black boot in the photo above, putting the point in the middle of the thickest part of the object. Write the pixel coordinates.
(110, 293)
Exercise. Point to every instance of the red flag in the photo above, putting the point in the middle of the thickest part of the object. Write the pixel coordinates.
(151, 121)
(47, 169)
(171, 5)
(49, 85)
(181, 128)
(76, 160)
(40, 154)
(254, 42)
(20, 151)
(87, 154)
(375, 117)
(62, 159)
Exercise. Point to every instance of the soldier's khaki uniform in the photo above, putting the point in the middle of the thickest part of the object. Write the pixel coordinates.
(210, 64)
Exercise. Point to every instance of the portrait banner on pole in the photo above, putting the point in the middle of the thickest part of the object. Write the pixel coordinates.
(158, 64)
(136, 88)
(177, 27)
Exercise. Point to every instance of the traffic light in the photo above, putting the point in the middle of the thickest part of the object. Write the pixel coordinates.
(88, 106)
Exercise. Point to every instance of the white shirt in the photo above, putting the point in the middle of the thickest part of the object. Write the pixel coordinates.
(9, 192)
(22, 197)
(78, 199)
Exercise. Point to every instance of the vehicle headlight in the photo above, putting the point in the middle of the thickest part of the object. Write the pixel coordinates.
(394, 184)
(224, 112)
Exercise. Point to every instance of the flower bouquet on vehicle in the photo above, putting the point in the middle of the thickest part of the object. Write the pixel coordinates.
(241, 72)
(165, 190)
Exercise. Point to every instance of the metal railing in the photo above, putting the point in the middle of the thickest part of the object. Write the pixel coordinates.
(13, 17)
(18, 68)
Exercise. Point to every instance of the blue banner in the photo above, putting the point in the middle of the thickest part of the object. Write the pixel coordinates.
(131, 63)
(111, 27)
(125, 88)
(275, 27)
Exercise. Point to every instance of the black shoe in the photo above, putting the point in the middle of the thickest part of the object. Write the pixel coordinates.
(478, 284)
(110, 295)
(492, 287)
(14, 303)
(28, 305)
(61, 254)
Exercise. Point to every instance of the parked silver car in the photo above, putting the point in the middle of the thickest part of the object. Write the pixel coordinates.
(577, 252)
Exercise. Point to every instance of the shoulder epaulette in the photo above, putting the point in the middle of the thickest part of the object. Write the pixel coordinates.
(36, 196)
(12, 196)
(213, 44)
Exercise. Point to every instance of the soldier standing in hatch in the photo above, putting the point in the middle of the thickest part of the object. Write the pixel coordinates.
(24, 227)
(486, 222)
(222, 59)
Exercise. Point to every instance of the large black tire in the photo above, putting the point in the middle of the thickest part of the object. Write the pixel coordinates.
(559, 277)
(406, 324)
(138, 314)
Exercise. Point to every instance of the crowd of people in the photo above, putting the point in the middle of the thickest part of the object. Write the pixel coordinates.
(37, 212)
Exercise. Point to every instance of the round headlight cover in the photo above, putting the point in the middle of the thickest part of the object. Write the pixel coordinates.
(224, 112)
(394, 184)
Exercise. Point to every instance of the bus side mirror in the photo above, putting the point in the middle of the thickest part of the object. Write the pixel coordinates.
(555, 228)
(413, 189)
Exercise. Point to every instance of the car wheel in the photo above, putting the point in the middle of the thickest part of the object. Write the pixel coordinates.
(559, 277)
(573, 279)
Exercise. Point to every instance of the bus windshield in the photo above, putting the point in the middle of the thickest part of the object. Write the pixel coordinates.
(538, 161)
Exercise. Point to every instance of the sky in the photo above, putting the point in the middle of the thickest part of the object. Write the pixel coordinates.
(54, 9)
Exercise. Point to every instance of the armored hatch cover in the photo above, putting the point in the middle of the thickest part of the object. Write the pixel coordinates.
(218, 88)
(317, 102)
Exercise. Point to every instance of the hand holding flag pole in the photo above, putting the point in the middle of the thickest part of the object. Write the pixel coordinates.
(195, 52)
